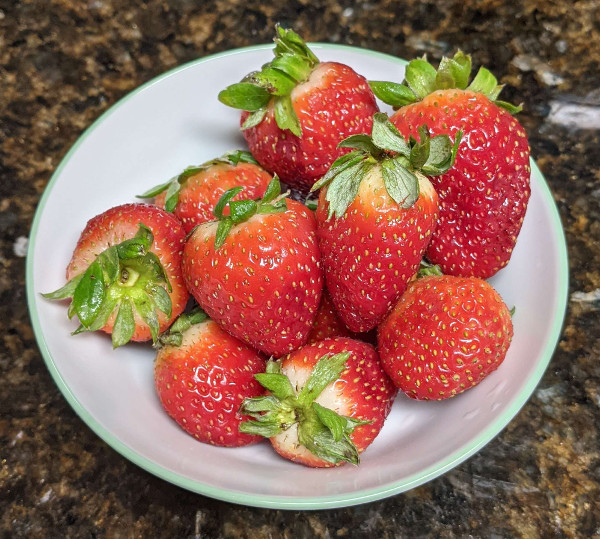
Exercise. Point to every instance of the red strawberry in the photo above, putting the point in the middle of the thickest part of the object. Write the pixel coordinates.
(328, 402)
(327, 322)
(125, 273)
(193, 194)
(445, 335)
(296, 110)
(375, 217)
(483, 197)
(202, 375)
(257, 271)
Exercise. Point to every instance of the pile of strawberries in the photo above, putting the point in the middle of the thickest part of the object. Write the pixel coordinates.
(299, 320)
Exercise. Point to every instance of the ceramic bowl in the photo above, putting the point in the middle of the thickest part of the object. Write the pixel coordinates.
(149, 136)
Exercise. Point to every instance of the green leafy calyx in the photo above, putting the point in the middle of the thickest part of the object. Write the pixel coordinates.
(421, 79)
(174, 185)
(322, 431)
(126, 278)
(241, 210)
(400, 161)
(427, 269)
(174, 335)
(275, 81)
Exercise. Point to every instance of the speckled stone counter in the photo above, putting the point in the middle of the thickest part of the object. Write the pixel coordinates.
(63, 63)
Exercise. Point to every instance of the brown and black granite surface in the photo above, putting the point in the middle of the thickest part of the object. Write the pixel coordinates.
(63, 62)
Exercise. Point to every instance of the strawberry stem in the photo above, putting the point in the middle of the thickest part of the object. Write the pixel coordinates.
(129, 276)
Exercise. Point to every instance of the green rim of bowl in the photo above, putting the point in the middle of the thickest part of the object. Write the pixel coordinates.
(293, 502)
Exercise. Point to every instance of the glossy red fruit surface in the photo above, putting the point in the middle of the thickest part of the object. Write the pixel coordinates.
(121, 223)
(327, 322)
(334, 103)
(202, 383)
(263, 285)
(484, 196)
(370, 253)
(445, 335)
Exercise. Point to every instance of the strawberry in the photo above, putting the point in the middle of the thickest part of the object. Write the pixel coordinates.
(484, 196)
(125, 276)
(375, 216)
(445, 335)
(193, 194)
(327, 323)
(202, 375)
(328, 401)
(297, 109)
(257, 271)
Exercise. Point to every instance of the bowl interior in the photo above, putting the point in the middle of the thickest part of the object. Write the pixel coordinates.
(146, 138)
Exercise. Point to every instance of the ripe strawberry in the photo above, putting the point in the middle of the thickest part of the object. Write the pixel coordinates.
(296, 110)
(193, 194)
(202, 375)
(328, 401)
(125, 274)
(327, 323)
(484, 196)
(257, 271)
(445, 335)
(375, 216)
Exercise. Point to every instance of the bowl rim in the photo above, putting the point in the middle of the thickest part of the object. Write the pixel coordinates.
(278, 501)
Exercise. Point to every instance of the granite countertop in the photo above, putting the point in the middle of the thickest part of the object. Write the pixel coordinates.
(63, 63)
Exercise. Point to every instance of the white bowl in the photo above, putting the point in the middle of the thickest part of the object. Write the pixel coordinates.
(147, 137)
